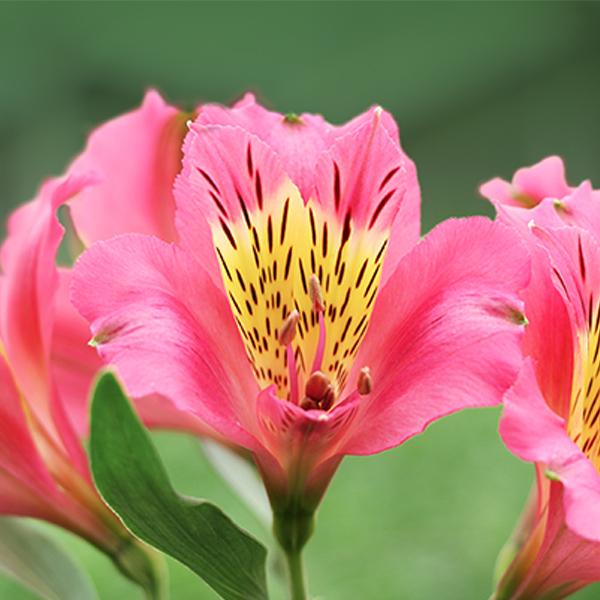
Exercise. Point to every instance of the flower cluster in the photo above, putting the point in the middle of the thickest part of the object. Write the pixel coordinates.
(259, 279)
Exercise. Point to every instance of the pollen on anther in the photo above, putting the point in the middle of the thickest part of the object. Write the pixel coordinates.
(316, 294)
(288, 329)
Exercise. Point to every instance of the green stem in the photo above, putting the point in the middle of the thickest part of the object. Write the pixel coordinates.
(296, 572)
(292, 528)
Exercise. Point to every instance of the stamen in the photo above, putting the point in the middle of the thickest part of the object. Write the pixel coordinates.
(287, 333)
(316, 386)
(292, 374)
(316, 297)
(320, 393)
(316, 294)
(364, 383)
(329, 397)
(320, 353)
(308, 404)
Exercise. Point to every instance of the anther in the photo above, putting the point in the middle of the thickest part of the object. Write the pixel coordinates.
(364, 384)
(308, 404)
(328, 398)
(316, 386)
(316, 294)
(288, 330)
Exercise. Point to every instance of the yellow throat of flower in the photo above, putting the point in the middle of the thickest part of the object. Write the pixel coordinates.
(270, 261)
(584, 418)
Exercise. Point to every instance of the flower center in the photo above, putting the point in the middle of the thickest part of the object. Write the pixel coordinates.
(290, 268)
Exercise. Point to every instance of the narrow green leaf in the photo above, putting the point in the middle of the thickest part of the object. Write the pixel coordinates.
(133, 481)
(40, 564)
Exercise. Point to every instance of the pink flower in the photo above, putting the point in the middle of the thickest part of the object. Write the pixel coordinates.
(551, 414)
(44, 471)
(276, 319)
(126, 196)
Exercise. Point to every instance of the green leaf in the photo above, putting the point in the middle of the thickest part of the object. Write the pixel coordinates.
(36, 561)
(133, 481)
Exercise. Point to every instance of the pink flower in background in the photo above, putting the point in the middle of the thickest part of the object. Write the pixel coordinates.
(541, 193)
(44, 471)
(46, 364)
(297, 315)
(135, 159)
(551, 415)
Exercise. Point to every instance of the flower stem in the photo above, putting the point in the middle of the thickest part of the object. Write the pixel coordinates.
(292, 528)
(297, 578)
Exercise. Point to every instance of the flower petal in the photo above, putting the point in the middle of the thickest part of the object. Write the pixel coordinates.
(444, 333)
(74, 362)
(27, 306)
(298, 140)
(363, 175)
(536, 434)
(530, 185)
(19, 456)
(139, 155)
(159, 318)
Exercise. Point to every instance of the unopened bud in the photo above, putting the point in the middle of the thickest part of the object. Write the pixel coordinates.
(288, 330)
(316, 386)
(364, 384)
(316, 294)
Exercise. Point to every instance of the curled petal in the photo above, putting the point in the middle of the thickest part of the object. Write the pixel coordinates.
(139, 155)
(530, 185)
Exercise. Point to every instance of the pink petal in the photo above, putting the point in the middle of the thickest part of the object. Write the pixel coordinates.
(406, 229)
(535, 434)
(227, 174)
(298, 141)
(575, 258)
(160, 319)
(19, 456)
(554, 562)
(74, 362)
(546, 179)
(549, 336)
(27, 307)
(305, 443)
(530, 185)
(363, 175)
(139, 155)
(581, 208)
(442, 334)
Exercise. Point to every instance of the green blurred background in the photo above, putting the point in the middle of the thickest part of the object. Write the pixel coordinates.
(479, 89)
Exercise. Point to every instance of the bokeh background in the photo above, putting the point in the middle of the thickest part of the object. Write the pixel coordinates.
(479, 89)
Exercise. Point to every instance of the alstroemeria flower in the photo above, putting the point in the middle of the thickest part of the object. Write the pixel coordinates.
(298, 316)
(551, 414)
(44, 471)
(135, 159)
